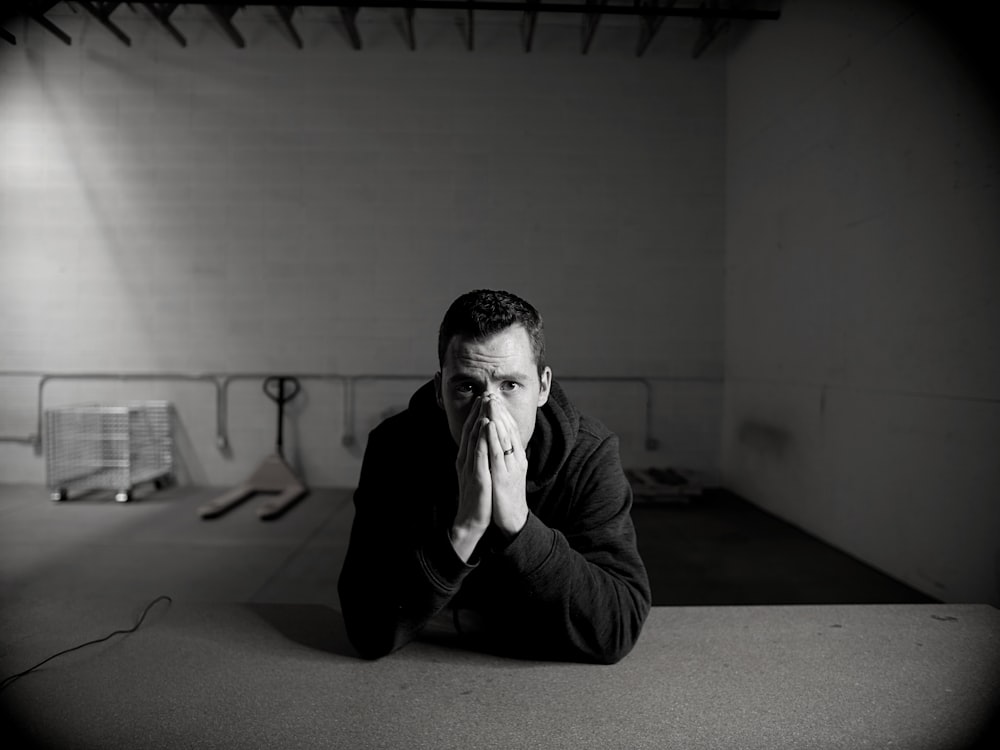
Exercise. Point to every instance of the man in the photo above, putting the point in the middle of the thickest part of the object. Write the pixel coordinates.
(491, 494)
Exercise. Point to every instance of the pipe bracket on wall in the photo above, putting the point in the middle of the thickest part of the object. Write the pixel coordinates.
(649, 24)
(528, 24)
(102, 12)
(470, 28)
(161, 12)
(714, 14)
(711, 26)
(590, 21)
(221, 383)
(411, 34)
(36, 12)
(349, 15)
(224, 15)
(221, 441)
(286, 11)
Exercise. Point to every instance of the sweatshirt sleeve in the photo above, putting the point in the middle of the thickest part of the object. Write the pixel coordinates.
(583, 588)
(399, 570)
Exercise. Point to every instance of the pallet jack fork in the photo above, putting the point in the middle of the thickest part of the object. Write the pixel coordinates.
(273, 475)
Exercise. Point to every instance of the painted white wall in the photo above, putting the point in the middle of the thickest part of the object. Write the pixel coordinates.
(211, 209)
(862, 270)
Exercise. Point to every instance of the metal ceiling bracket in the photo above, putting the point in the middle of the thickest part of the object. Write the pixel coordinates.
(528, 24)
(224, 15)
(411, 34)
(161, 12)
(590, 21)
(102, 12)
(349, 16)
(286, 11)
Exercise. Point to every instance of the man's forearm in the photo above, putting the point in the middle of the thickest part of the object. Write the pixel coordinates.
(388, 595)
(556, 581)
(464, 539)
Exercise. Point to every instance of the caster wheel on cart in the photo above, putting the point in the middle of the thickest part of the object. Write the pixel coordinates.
(163, 482)
(59, 495)
(123, 497)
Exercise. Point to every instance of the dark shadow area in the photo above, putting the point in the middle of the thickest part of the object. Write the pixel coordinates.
(311, 625)
(15, 735)
(719, 549)
(987, 737)
(516, 655)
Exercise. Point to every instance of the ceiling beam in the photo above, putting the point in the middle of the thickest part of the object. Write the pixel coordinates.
(470, 28)
(7, 36)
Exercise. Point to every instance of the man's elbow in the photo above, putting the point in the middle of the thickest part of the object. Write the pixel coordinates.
(367, 646)
(608, 658)
(622, 638)
(369, 637)
(370, 652)
(617, 649)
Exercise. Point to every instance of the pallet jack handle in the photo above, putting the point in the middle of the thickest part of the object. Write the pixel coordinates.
(274, 389)
(273, 475)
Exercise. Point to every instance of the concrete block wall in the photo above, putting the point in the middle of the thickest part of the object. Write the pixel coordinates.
(862, 269)
(271, 210)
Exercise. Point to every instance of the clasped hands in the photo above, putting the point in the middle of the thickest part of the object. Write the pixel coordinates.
(492, 468)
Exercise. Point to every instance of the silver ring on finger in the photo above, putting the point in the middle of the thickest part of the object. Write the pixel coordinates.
(508, 451)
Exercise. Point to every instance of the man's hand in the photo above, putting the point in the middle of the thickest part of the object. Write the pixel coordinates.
(508, 469)
(475, 491)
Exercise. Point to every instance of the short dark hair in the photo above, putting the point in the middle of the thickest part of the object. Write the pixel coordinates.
(482, 313)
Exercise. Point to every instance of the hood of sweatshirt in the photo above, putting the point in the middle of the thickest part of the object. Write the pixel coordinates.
(557, 425)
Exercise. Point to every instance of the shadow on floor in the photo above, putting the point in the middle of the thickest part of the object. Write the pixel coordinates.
(720, 549)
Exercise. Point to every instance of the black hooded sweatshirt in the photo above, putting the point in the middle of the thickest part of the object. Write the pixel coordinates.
(569, 586)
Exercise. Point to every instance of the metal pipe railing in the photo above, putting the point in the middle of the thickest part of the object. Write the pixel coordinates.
(222, 381)
(222, 434)
(122, 376)
(31, 438)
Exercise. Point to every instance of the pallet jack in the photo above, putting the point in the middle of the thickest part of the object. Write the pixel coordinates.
(273, 475)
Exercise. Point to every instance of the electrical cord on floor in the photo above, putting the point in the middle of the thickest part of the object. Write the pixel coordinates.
(11, 679)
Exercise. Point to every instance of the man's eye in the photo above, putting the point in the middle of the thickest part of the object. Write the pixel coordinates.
(509, 385)
(463, 388)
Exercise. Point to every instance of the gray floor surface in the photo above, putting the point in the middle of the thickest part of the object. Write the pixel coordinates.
(718, 549)
(158, 544)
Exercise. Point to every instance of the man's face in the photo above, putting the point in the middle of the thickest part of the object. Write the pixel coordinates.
(501, 366)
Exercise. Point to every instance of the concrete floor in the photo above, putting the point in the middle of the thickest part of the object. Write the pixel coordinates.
(716, 550)
(158, 544)
(720, 549)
